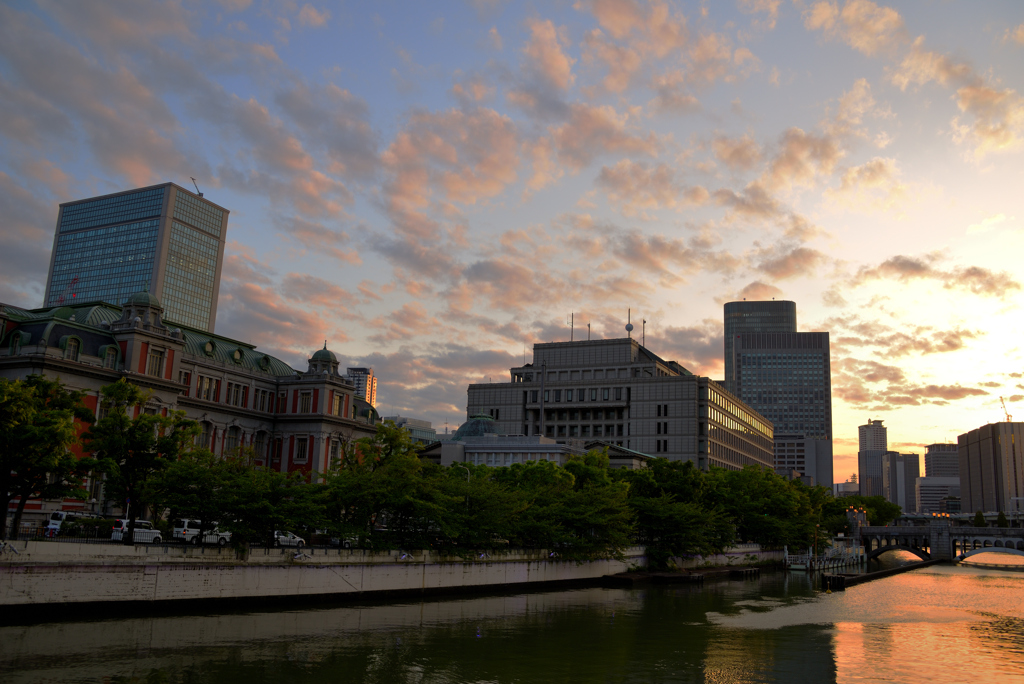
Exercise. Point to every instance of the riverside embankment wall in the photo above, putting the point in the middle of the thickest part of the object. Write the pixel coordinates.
(68, 573)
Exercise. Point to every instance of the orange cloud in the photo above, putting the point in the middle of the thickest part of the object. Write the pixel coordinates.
(739, 154)
(861, 24)
(594, 130)
(545, 55)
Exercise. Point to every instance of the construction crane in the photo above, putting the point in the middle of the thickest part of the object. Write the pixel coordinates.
(67, 293)
(1009, 418)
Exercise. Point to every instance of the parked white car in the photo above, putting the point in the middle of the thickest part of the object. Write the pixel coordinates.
(145, 533)
(187, 530)
(288, 539)
(58, 518)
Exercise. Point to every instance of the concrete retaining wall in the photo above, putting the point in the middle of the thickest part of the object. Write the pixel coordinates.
(56, 573)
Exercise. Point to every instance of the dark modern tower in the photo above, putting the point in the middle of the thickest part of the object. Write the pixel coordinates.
(163, 238)
(873, 444)
(785, 376)
(753, 317)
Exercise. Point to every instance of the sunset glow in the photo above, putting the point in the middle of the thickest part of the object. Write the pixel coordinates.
(433, 187)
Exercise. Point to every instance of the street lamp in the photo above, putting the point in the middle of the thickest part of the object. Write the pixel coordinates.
(459, 465)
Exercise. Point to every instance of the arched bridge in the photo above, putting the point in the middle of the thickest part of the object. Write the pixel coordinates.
(941, 540)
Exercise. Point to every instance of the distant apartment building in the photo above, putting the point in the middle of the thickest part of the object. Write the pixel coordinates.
(931, 491)
(873, 442)
(420, 430)
(620, 392)
(365, 382)
(942, 460)
(992, 468)
(899, 479)
(162, 239)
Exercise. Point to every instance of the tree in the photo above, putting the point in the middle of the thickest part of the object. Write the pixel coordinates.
(131, 449)
(979, 520)
(193, 487)
(37, 429)
(1001, 520)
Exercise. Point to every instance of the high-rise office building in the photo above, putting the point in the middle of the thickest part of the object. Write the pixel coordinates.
(900, 473)
(942, 460)
(785, 376)
(365, 382)
(161, 238)
(992, 468)
(753, 317)
(931, 491)
(873, 442)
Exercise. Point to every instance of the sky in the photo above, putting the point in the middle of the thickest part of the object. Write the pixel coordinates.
(433, 187)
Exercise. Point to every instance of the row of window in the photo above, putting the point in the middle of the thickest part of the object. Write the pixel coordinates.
(580, 430)
(237, 394)
(72, 351)
(577, 395)
(127, 207)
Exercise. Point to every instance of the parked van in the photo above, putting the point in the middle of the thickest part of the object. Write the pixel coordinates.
(145, 533)
(58, 518)
(186, 530)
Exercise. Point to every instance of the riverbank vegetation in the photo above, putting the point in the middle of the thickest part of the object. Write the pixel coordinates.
(381, 495)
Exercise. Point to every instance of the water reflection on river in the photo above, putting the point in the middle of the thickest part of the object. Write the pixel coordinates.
(950, 624)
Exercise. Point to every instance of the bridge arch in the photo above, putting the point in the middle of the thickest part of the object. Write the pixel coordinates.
(920, 553)
(991, 549)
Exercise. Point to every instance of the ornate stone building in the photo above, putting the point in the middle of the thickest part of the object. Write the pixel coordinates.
(296, 421)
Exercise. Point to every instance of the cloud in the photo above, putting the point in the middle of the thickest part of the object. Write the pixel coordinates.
(697, 348)
(753, 203)
(318, 293)
(855, 332)
(409, 321)
(472, 90)
(874, 182)
(793, 263)
(988, 223)
(310, 16)
(758, 291)
(1016, 34)
(861, 24)
(546, 170)
(545, 55)
(739, 154)
(28, 230)
(767, 7)
(997, 113)
(974, 279)
(595, 130)
(636, 187)
(802, 157)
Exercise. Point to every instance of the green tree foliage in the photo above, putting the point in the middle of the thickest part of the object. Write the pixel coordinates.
(193, 487)
(1001, 520)
(879, 510)
(130, 449)
(979, 520)
(254, 502)
(37, 429)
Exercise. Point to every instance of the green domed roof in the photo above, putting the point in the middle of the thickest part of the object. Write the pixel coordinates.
(477, 426)
(325, 354)
(144, 298)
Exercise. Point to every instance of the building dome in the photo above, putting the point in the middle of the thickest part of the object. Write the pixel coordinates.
(477, 426)
(144, 298)
(324, 355)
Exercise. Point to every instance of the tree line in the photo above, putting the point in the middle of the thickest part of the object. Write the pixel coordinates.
(381, 495)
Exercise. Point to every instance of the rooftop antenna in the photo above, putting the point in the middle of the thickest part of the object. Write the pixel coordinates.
(629, 326)
(572, 325)
(643, 334)
(588, 332)
(197, 186)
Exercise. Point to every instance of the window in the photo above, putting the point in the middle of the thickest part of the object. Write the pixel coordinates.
(208, 389)
(205, 435)
(71, 349)
(259, 444)
(659, 410)
(231, 443)
(547, 395)
(533, 397)
(306, 402)
(604, 394)
(338, 406)
(558, 395)
(261, 400)
(184, 378)
(335, 450)
(618, 394)
(156, 362)
(568, 395)
(593, 395)
(282, 402)
(110, 358)
(301, 449)
(235, 394)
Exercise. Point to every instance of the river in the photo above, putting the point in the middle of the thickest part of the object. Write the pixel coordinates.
(942, 623)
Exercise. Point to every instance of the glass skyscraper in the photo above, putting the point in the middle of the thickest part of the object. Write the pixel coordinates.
(753, 317)
(164, 238)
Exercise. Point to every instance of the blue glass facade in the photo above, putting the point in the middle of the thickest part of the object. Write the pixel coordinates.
(753, 317)
(163, 238)
(190, 275)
